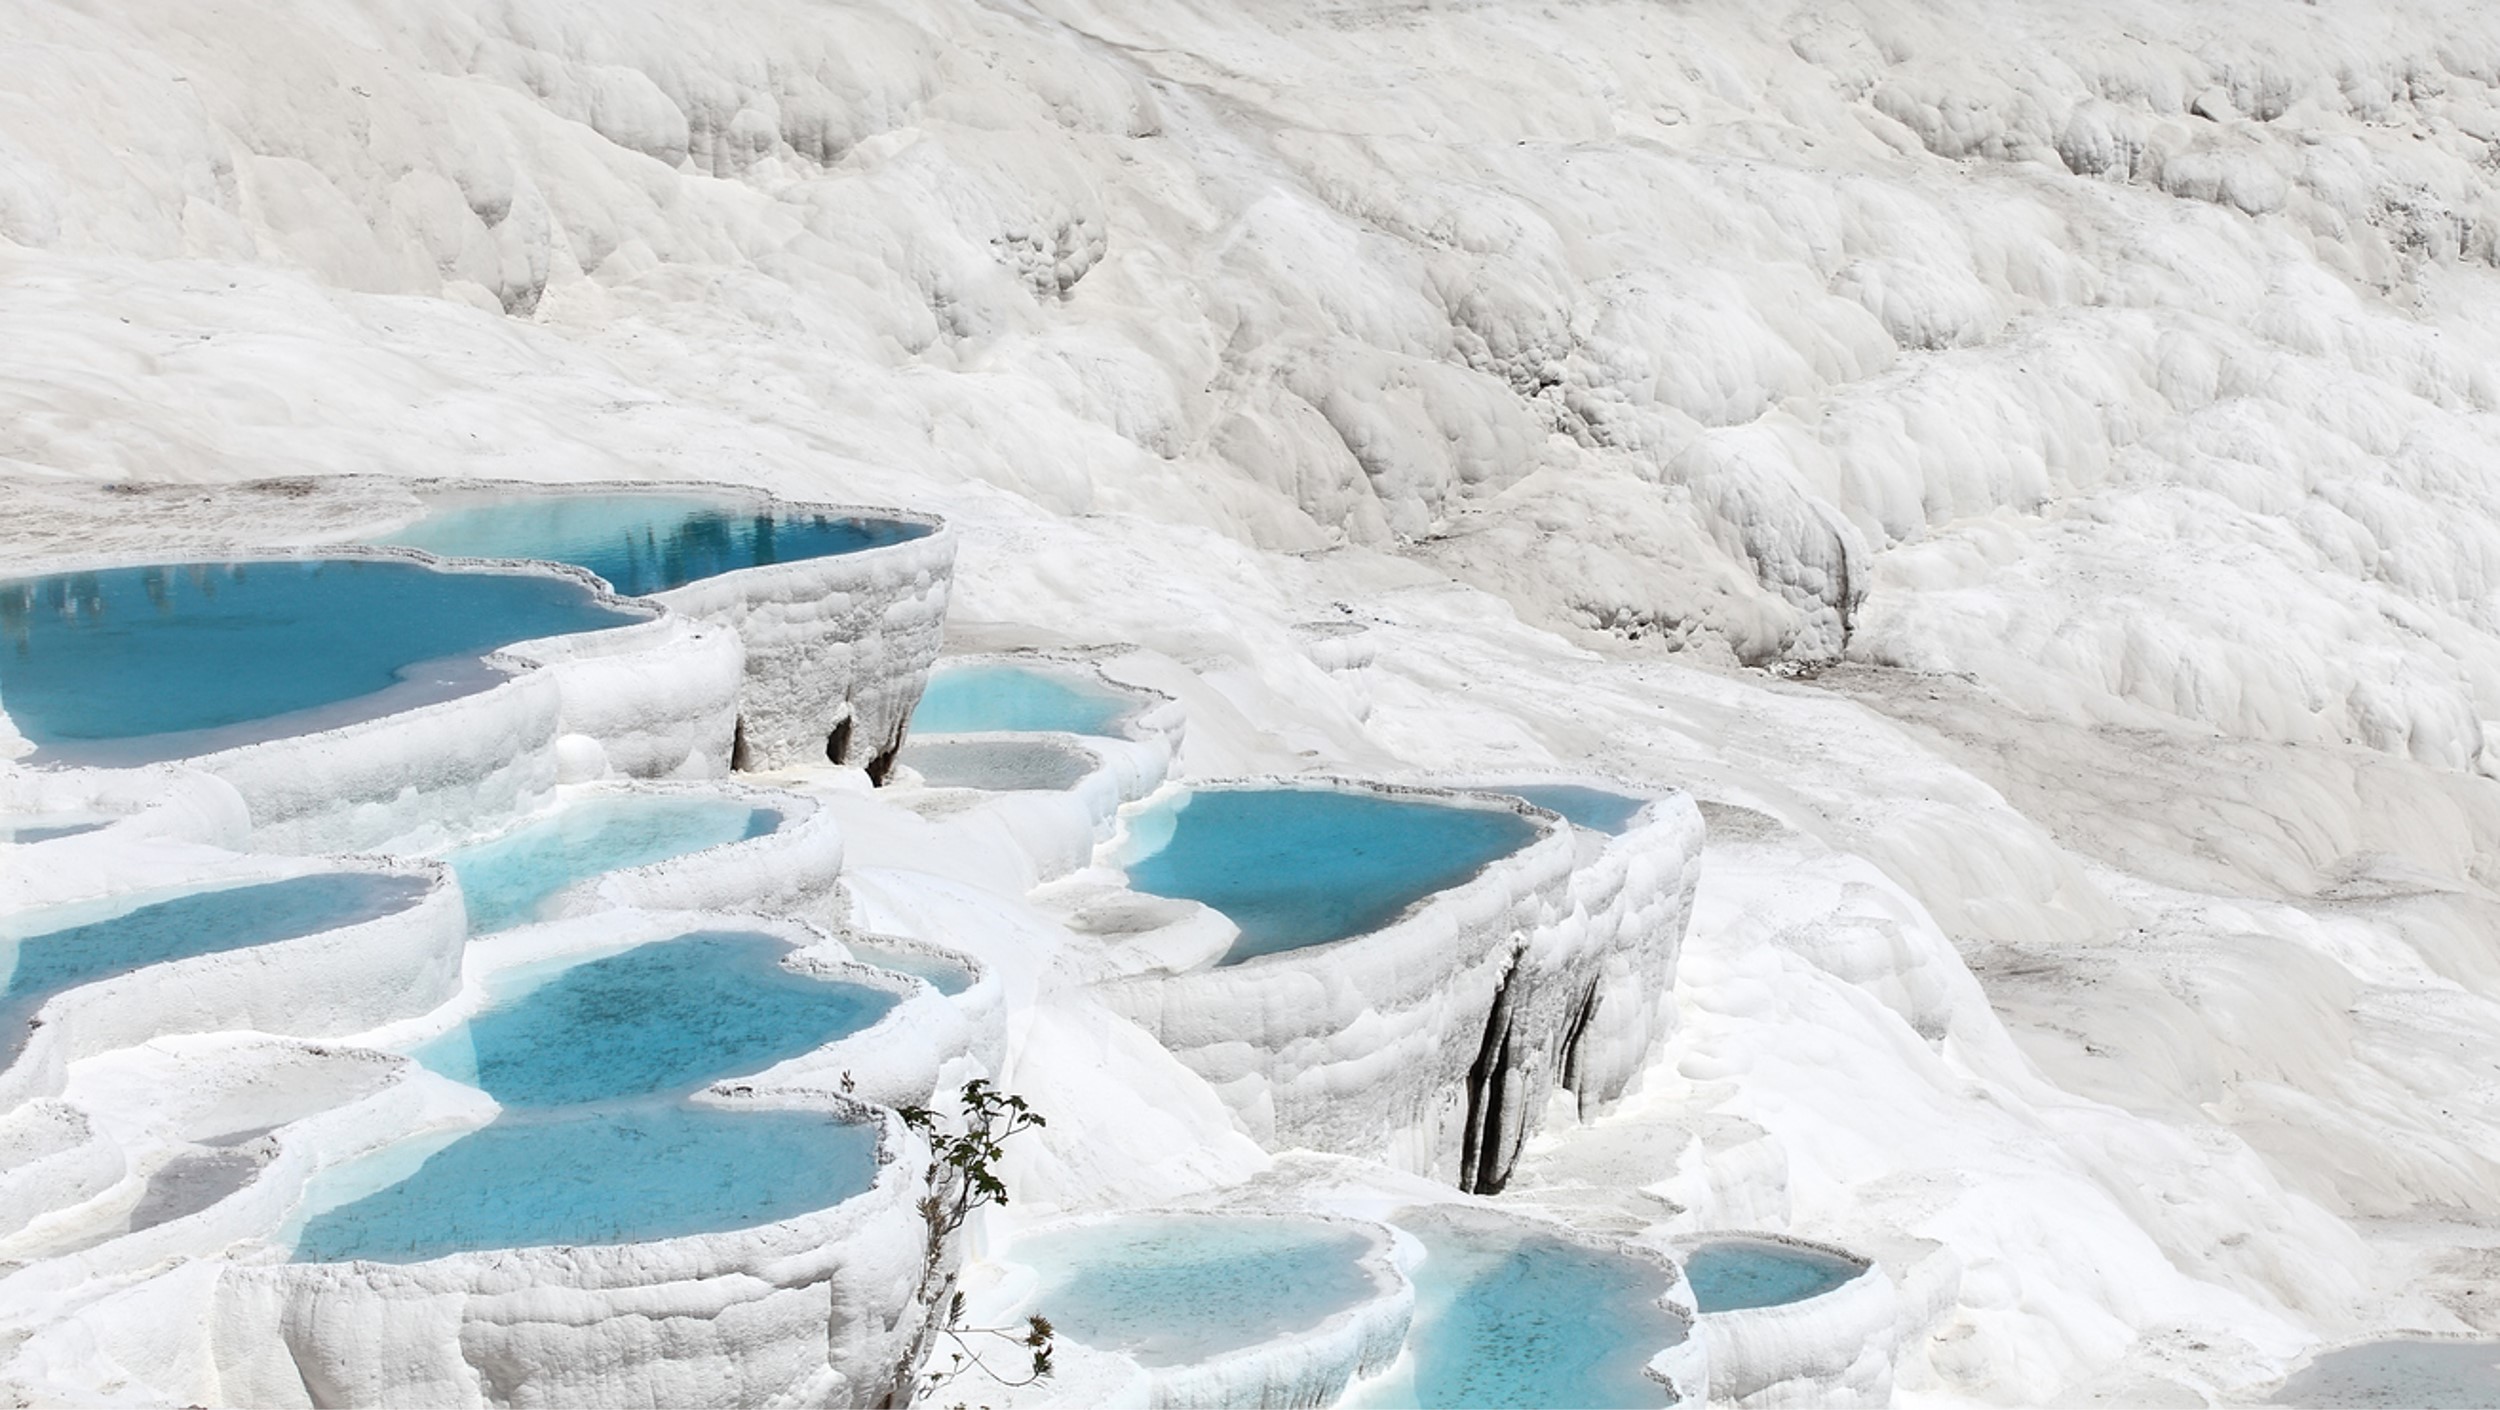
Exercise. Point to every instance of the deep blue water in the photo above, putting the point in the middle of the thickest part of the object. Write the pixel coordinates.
(1515, 1317)
(1296, 867)
(509, 880)
(1739, 1273)
(125, 654)
(1172, 1289)
(650, 1171)
(963, 699)
(1596, 809)
(197, 923)
(667, 1017)
(2420, 1373)
(644, 542)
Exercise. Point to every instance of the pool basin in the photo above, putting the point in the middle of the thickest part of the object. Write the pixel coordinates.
(1582, 805)
(1729, 1275)
(987, 697)
(644, 542)
(119, 666)
(521, 875)
(85, 947)
(1295, 867)
(999, 765)
(1508, 1313)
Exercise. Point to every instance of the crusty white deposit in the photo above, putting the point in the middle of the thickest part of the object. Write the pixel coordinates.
(2026, 466)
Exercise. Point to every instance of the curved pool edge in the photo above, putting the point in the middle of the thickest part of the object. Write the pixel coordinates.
(329, 983)
(1363, 1046)
(822, 1302)
(1835, 1348)
(1301, 1370)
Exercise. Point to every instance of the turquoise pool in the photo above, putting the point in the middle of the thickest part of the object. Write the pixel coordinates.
(1509, 1315)
(52, 957)
(509, 880)
(666, 1017)
(590, 1061)
(966, 699)
(1296, 867)
(652, 1171)
(1169, 1290)
(1596, 809)
(644, 542)
(1729, 1274)
(2419, 1373)
(126, 665)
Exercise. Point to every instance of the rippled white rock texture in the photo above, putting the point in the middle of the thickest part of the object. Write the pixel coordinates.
(2020, 468)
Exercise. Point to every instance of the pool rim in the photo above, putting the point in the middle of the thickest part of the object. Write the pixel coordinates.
(428, 492)
(1390, 1282)
(651, 618)
(1687, 1244)
(1116, 852)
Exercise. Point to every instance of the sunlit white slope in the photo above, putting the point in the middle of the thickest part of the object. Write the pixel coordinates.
(2100, 396)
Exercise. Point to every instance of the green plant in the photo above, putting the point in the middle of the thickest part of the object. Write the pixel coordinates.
(964, 1177)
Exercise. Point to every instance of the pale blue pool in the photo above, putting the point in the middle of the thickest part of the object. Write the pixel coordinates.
(667, 1017)
(512, 879)
(966, 699)
(649, 1171)
(644, 541)
(125, 665)
(32, 830)
(52, 957)
(2420, 1373)
(1512, 1316)
(1735, 1273)
(1296, 867)
(1172, 1289)
(1596, 809)
(998, 765)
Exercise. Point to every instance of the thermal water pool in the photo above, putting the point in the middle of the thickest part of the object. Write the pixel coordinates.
(977, 698)
(645, 1172)
(1728, 1274)
(1294, 867)
(666, 1017)
(941, 974)
(1512, 1315)
(643, 542)
(590, 1060)
(509, 880)
(131, 665)
(999, 765)
(2423, 1373)
(1597, 809)
(1172, 1289)
(70, 950)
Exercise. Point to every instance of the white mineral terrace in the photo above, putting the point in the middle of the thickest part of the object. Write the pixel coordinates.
(1810, 688)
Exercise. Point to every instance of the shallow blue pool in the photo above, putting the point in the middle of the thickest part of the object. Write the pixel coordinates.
(650, 1171)
(1596, 809)
(1173, 1289)
(1736, 1273)
(509, 880)
(1294, 867)
(644, 541)
(130, 664)
(660, 1018)
(998, 765)
(27, 830)
(965, 699)
(1517, 1317)
(2422, 1373)
(60, 957)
